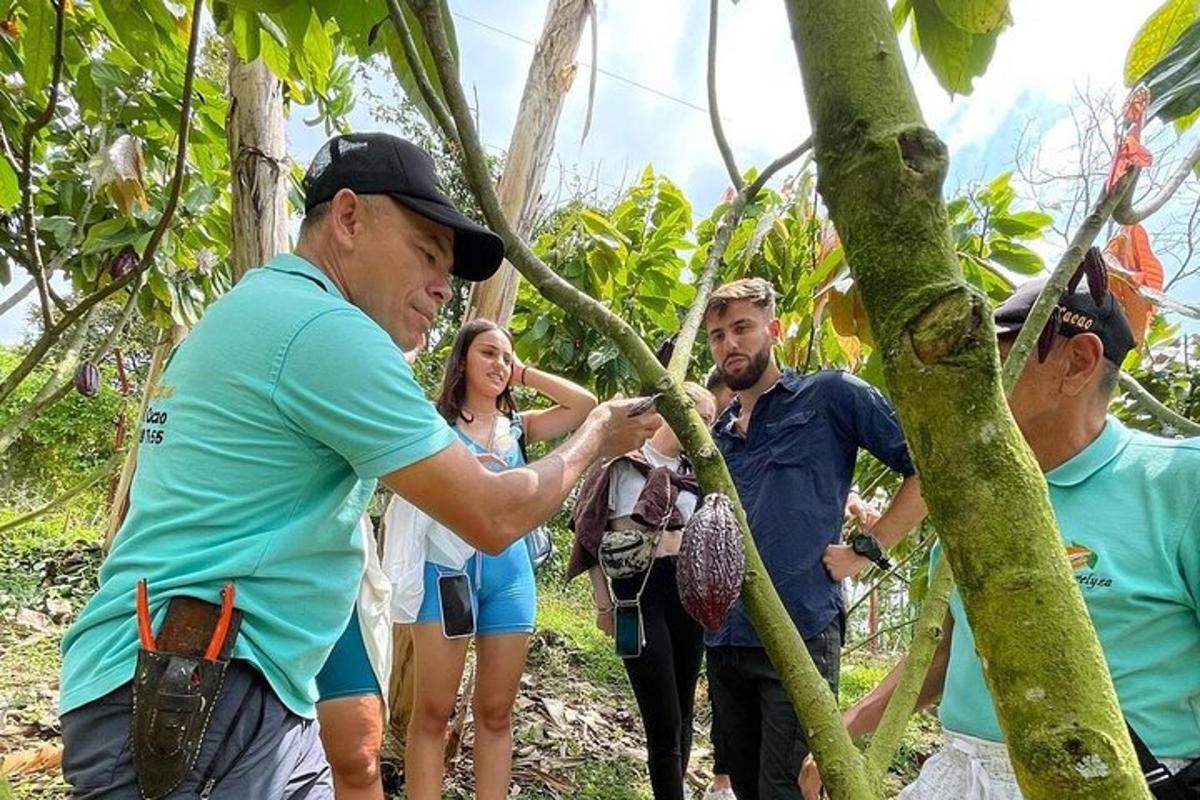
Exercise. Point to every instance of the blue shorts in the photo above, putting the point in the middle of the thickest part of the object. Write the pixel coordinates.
(347, 671)
(502, 588)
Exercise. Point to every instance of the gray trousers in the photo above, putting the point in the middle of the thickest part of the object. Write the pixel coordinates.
(254, 748)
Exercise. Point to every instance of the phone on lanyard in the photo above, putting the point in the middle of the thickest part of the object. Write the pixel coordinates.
(627, 628)
(458, 612)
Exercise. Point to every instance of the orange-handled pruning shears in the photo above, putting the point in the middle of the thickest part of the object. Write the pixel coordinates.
(220, 632)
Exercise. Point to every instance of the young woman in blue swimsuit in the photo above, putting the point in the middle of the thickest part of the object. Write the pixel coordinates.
(476, 399)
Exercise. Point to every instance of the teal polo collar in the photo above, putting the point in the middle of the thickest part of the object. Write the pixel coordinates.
(295, 265)
(1087, 462)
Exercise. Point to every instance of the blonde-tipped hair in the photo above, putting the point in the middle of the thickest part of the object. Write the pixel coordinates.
(758, 291)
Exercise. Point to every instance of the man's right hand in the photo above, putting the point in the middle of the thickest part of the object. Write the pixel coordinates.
(621, 432)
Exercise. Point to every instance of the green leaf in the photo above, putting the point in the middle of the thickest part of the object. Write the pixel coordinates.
(108, 235)
(1022, 224)
(1157, 35)
(1174, 81)
(955, 56)
(10, 189)
(39, 49)
(129, 24)
(900, 14)
(247, 35)
(1184, 124)
(159, 288)
(58, 226)
(976, 16)
(1016, 257)
(269, 6)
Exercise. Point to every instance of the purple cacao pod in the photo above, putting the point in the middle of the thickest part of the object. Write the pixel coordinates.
(712, 562)
(122, 263)
(87, 379)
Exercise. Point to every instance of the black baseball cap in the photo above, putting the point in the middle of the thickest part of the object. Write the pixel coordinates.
(379, 163)
(1079, 313)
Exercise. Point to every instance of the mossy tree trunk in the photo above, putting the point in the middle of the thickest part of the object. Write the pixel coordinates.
(880, 171)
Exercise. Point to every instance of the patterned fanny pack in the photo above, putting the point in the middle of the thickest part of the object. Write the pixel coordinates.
(626, 553)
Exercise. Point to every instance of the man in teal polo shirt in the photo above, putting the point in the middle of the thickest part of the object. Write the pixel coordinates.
(259, 450)
(1127, 506)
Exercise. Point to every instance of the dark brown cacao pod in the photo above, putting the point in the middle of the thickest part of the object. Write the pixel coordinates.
(122, 263)
(712, 562)
(87, 379)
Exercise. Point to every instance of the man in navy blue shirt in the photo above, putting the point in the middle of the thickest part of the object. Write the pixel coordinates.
(791, 442)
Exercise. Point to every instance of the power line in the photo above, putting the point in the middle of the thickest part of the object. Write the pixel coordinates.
(601, 70)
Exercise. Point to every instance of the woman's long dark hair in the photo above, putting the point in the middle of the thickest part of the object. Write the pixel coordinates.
(454, 382)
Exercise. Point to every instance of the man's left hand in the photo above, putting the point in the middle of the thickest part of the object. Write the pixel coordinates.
(842, 562)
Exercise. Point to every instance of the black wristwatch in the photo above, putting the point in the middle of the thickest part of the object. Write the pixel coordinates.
(867, 546)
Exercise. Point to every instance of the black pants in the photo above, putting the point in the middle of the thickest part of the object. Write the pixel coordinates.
(762, 743)
(664, 676)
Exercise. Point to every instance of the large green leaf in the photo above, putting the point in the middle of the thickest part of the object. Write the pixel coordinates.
(1174, 81)
(10, 191)
(39, 48)
(976, 16)
(1157, 35)
(1016, 257)
(247, 35)
(955, 56)
(129, 23)
(1021, 224)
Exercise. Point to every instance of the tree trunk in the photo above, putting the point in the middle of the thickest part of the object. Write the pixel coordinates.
(881, 173)
(532, 144)
(258, 161)
(158, 361)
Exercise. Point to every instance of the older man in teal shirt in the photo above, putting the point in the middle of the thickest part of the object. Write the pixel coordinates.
(1128, 508)
(274, 420)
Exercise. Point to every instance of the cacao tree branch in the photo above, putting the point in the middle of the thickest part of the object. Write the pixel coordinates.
(815, 704)
(17, 296)
(1156, 408)
(1125, 212)
(860, 644)
(926, 636)
(424, 84)
(51, 335)
(96, 475)
(35, 266)
(880, 173)
(1043, 307)
(714, 113)
(685, 340)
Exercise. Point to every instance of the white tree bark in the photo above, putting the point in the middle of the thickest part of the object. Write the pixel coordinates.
(259, 164)
(550, 77)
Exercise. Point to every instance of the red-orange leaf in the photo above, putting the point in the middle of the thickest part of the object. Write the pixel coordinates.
(1130, 248)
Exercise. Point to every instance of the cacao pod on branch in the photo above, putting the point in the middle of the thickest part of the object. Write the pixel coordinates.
(712, 562)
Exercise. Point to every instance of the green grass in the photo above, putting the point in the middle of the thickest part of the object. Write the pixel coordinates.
(569, 612)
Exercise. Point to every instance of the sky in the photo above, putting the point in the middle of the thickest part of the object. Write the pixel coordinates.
(650, 105)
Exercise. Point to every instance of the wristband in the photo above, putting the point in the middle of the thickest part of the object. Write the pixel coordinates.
(524, 369)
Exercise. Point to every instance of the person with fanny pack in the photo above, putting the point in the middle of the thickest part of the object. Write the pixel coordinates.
(191, 671)
(1127, 506)
(459, 593)
(628, 524)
